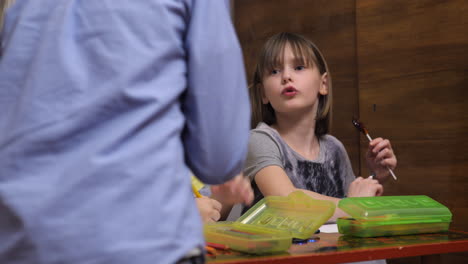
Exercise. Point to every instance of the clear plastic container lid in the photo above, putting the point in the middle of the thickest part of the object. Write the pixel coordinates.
(248, 238)
(298, 213)
(396, 209)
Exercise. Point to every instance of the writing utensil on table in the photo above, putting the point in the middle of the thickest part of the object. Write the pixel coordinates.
(210, 251)
(196, 192)
(217, 246)
(360, 126)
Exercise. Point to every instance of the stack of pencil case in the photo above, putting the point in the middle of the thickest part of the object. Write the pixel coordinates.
(393, 215)
(271, 224)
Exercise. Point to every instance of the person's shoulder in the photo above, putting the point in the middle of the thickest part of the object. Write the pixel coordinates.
(264, 130)
(263, 134)
(332, 140)
(262, 127)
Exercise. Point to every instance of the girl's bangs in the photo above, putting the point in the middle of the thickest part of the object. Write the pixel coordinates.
(303, 53)
(273, 57)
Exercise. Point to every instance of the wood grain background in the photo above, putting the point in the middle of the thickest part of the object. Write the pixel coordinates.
(402, 67)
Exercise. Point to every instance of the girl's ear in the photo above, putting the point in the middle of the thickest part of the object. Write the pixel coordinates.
(264, 98)
(324, 84)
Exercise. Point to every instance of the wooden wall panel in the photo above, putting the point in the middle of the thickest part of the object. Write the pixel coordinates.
(413, 66)
(415, 36)
(330, 24)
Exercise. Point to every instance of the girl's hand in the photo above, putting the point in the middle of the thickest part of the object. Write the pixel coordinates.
(209, 209)
(365, 188)
(380, 157)
(237, 190)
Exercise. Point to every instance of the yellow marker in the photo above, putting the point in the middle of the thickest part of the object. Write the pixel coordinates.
(196, 192)
(196, 185)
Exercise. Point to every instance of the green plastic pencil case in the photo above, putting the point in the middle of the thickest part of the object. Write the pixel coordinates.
(271, 224)
(393, 215)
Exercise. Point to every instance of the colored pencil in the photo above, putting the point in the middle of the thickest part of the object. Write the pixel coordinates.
(196, 192)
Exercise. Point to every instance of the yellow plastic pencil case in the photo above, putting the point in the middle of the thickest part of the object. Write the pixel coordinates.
(271, 224)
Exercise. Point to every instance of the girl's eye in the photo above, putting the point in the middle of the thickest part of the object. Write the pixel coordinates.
(274, 72)
(300, 68)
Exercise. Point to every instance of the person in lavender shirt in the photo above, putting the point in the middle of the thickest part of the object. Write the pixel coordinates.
(106, 107)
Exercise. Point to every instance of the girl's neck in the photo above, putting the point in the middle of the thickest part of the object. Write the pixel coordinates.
(299, 134)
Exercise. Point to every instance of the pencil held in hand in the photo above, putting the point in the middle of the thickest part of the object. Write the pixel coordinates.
(360, 126)
(196, 192)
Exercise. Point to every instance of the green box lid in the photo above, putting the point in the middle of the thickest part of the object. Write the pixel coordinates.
(395, 209)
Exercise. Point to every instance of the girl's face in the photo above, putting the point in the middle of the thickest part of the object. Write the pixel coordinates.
(293, 87)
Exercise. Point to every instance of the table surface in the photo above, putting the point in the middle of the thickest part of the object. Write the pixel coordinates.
(337, 248)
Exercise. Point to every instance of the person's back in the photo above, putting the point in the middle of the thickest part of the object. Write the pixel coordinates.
(103, 104)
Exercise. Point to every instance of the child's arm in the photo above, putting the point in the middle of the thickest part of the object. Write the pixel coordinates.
(273, 180)
(237, 190)
(380, 157)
